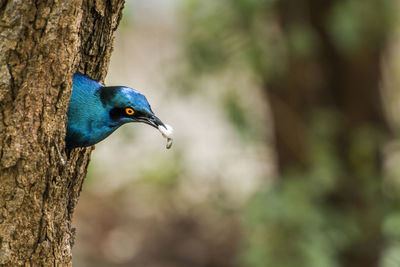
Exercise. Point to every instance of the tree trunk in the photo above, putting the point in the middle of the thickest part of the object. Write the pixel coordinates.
(345, 81)
(42, 44)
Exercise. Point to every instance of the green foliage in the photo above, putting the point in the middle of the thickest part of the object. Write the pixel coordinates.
(302, 40)
(391, 229)
(286, 228)
(355, 24)
(294, 223)
(288, 225)
(219, 32)
(206, 26)
(297, 222)
(238, 115)
(391, 257)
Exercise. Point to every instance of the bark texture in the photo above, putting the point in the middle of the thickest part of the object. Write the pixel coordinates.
(42, 44)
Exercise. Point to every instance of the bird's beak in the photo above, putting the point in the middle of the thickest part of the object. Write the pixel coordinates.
(152, 120)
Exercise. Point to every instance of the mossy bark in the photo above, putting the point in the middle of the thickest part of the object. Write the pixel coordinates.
(42, 44)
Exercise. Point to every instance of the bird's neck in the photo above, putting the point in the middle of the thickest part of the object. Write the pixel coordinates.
(90, 118)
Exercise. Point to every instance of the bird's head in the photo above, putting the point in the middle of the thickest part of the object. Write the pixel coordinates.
(125, 104)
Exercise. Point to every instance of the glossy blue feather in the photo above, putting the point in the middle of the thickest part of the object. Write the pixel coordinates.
(96, 111)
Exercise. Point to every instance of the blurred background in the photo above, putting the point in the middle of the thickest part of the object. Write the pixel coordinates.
(286, 150)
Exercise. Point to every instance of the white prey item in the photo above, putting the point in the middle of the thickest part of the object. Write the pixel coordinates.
(167, 132)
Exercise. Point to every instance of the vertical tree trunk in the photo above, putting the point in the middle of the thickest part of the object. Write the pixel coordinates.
(345, 81)
(42, 44)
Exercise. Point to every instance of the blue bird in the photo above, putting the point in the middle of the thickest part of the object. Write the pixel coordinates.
(96, 111)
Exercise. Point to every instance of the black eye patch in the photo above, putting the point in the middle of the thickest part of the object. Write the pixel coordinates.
(117, 113)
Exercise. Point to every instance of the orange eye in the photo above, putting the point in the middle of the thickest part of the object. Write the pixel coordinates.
(129, 111)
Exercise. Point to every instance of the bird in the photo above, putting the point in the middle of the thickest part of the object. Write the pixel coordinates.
(96, 111)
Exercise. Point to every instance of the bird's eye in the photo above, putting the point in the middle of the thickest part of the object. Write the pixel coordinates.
(129, 111)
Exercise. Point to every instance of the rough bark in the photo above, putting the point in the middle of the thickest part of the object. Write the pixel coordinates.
(42, 44)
